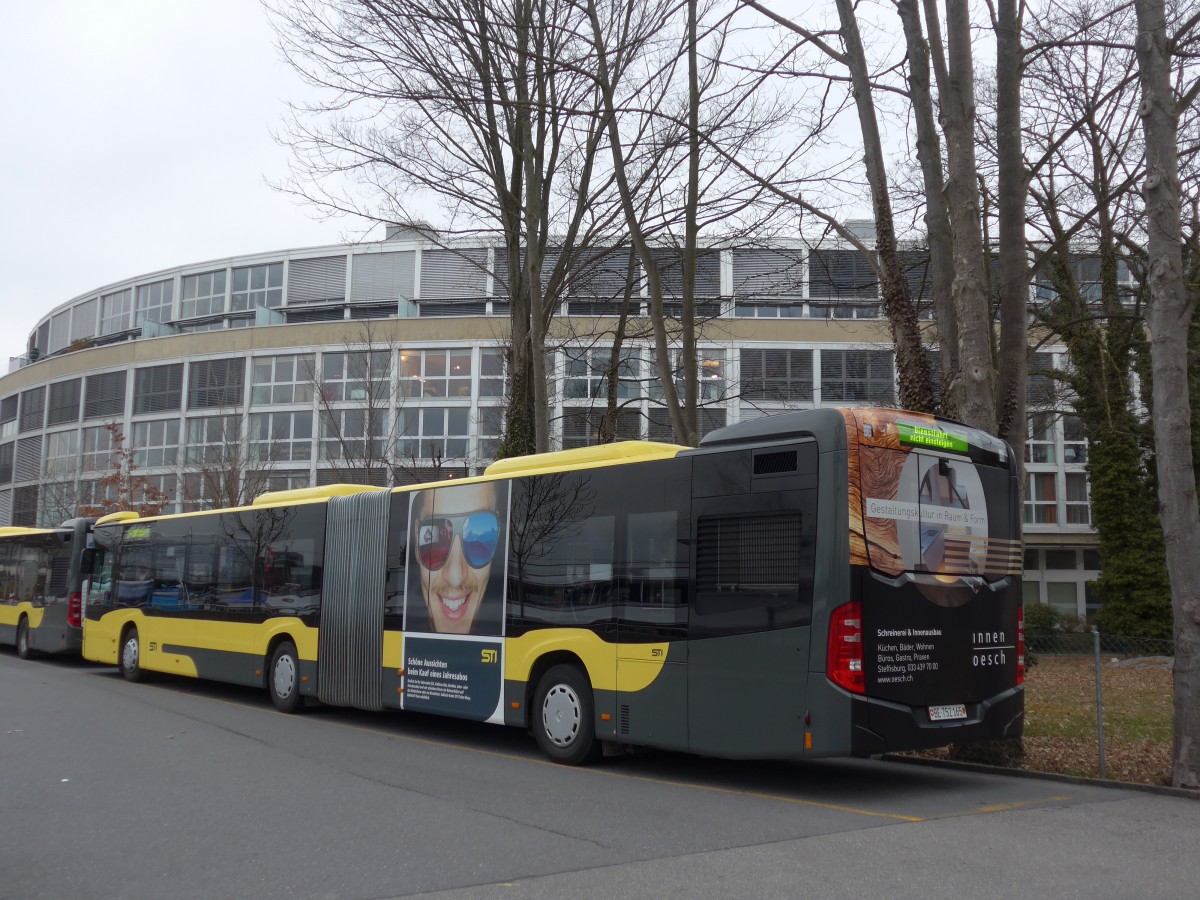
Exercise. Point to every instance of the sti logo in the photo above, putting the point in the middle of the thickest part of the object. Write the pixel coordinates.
(656, 653)
(489, 656)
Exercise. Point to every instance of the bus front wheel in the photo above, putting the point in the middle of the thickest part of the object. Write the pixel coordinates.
(283, 679)
(564, 717)
(24, 650)
(129, 659)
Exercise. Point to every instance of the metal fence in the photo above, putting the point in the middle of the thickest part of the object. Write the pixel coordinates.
(1114, 661)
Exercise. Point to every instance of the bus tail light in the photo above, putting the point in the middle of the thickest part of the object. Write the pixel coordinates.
(1020, 645)
(844, 659)
(75, 610)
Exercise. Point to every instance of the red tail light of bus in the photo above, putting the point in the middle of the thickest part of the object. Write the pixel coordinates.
(75, 610)
(844, 659)
(1020, 645)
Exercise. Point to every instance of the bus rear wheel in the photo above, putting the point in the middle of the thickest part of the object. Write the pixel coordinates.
(564, 717)
(24, 649)
(283, 679)
(129, 659)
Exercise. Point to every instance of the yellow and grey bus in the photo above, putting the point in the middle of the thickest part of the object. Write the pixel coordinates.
(817, 583)
(41, 577)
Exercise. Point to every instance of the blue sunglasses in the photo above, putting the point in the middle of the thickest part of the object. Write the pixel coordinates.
(479, 531)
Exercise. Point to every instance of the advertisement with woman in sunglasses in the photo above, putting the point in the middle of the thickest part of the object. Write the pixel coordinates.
(456, 588)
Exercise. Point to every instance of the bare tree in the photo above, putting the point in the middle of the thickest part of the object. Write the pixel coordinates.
(220, 465)
(1169, 316)
(123, 487)
(477, 116)
(912, 363)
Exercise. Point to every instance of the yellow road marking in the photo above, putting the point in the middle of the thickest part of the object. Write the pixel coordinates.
(1020, 804)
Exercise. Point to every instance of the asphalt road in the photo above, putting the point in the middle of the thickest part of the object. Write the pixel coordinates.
(187, 790)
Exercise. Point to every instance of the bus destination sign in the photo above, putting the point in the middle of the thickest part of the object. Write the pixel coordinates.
(920, 436)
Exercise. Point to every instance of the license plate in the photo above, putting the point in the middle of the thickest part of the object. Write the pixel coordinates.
(945, 713)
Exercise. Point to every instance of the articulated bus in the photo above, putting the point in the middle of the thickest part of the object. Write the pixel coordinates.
(818, 583)
(41, 579)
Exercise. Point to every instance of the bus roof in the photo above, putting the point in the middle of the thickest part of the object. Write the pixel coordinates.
(16, 531)
(614, 454)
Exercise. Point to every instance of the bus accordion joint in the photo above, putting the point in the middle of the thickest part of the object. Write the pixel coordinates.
(844, 659)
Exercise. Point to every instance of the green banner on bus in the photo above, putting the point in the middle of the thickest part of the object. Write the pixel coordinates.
(919, 436)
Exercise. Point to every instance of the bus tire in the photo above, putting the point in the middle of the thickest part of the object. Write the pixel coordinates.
(283, 679)
(564, 720)
(24, 648)
(129, 660)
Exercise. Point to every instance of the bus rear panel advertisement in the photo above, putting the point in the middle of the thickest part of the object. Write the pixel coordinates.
(819, 583)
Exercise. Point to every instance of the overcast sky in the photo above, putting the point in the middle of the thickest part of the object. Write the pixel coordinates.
(137, 136)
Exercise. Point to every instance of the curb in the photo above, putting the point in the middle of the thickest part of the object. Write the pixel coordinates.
(1160, 790)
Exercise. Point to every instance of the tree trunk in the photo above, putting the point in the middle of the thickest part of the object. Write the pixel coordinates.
(1013, 187)
(912, 365)
(1168, 316)
(937, 218)
(975, 390)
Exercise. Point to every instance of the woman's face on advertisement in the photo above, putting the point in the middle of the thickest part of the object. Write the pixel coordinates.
(455, 548)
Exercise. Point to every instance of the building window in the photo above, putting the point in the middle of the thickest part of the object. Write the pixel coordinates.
(660, 428)
(857, 375)
(1074, 440)
(435, 373)
(200, 492)
(257, 286)
(1041, 499)
(491, 372)
(154, 302)
(490, 429)
(62, 453)
(212, 439)
(1077, 508)
(287, 481)
(1039, 387)
(780, 376)
(841, 274)
(156, 443)
(345, 432)
(283, 379)
(25, 506)
(8, 416)
(281, 436)
(1039, 448)
(158, 389)
(104, 396)
(33, 409)
(97, 448)
(433, 432)
(63, 406)
(581, 427)
(203, 295)
(1063, 596)
(114, 311)
(710, 365)
(216, 383)
(587, 371)
(6, 462)
(363, 376)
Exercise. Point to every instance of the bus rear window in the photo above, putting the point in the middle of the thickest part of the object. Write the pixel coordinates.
(934, 513)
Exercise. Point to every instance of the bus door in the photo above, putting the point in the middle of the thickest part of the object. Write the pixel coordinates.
(652, 580)
(753, 538)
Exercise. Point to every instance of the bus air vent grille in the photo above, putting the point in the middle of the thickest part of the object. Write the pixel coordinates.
(623, 719)
(776, 463)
